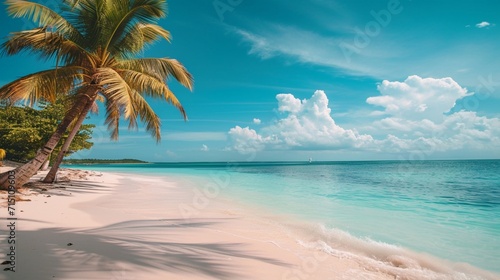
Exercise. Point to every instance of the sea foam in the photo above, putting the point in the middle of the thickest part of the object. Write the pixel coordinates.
(373, 256)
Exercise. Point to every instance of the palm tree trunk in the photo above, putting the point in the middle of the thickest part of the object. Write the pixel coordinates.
(51, 176)
(21, 175)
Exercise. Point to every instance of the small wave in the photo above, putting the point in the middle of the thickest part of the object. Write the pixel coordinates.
(395, 261)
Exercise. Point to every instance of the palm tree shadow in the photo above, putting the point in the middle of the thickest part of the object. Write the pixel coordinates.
(68, 188)
(58, 252)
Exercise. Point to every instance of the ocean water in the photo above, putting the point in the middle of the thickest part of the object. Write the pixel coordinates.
(447, 210)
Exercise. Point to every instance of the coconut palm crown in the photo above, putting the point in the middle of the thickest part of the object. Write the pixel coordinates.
(95, 44)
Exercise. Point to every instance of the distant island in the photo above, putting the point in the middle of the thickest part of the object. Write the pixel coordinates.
(101, 161)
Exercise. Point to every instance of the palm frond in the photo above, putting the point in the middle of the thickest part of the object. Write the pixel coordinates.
(152, 87)
(112, 118)
(95, 107)
(43, 16)
(115, 89)
(90, 16)
(43, 85)
(149, 117)
(148, 10)
(44, 43)
(138, 37)
(123, 17)
(160, 68)
(153, 32)
(72, 3)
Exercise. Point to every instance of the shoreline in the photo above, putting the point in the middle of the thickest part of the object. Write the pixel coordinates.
(144, 227)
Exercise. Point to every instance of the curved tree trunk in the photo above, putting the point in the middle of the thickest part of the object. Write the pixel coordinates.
(21, 175)
(51, 176)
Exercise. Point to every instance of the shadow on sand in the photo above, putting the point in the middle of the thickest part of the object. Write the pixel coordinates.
(53, 253)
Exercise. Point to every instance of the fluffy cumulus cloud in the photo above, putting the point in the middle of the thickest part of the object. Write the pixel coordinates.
(305, 124)
(414, 116)
(458, 131)
(256, 121)
(246, 140)
(417, 117)
(309, 124)
(417, 98)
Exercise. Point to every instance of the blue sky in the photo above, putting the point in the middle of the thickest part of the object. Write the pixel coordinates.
(328, 80)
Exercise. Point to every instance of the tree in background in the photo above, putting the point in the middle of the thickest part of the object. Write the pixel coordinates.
(96, 43)
(23, 130)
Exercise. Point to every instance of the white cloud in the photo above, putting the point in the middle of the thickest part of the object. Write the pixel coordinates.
(288, 103)
(460, 131)
(257, 121)
(413, 120)
(388, 55)
(204, 148)
(417, 98)
(309, 47)
(416, 117)
(246, 140)
(307, 124)
(483, 24)
(260, 45)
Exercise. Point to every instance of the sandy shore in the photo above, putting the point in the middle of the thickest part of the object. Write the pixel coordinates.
(112, 226)
(109, 226)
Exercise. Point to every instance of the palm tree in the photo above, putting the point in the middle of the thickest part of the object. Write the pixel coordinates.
(51, 175)
(3, 153)
(95, 44)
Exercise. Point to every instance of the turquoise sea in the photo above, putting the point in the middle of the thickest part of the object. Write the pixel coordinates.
(447, 209)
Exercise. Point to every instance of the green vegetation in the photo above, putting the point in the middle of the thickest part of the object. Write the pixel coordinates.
(95, 45)
(101, 161)
(24, 130)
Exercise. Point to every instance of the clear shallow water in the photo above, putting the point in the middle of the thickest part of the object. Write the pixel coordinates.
(449, 209)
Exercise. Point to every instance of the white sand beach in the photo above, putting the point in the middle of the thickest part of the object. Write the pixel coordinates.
(112, 226)
(109, 226)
